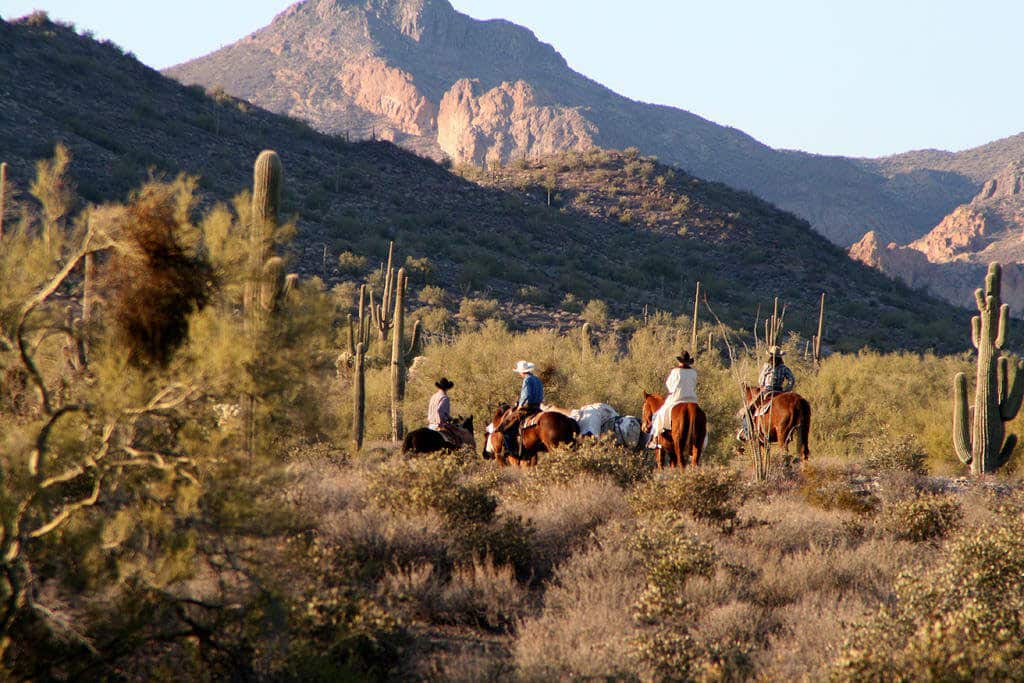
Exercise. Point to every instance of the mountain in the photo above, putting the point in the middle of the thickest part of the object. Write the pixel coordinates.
(951, 259)
(596, 224)
(436, 81)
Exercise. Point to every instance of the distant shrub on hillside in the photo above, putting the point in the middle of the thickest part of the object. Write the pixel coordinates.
(351, 264)
(476, 311)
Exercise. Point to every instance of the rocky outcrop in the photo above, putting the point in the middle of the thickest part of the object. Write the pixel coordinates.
(505, 123)
(389, 92)
(966, 230)
(903, 263)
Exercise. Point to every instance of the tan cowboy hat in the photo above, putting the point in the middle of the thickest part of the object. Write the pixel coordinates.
(444, 384)
(775, 352)
(524, 366)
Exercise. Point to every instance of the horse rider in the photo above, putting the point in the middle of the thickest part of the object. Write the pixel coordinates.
(775, 378)
(682, 388)
(439, 410)
(530, 398)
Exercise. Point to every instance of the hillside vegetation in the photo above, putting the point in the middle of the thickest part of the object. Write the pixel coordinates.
(123, 121)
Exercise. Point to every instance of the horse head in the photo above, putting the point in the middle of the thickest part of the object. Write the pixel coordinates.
(651, 404)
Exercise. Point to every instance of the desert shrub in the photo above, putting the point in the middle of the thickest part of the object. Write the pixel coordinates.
(959, 621)
(351, 264)
(432, 484)
(432, 295)
(478, 310)
(571, 303)
(596, 312)
(902, 453)
(597, 458)
(832, 488)
(478, 594)
(664, 648)
(921, 519)
(708, 493)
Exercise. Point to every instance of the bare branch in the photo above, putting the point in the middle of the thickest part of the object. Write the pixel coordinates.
(69, 509)
(35, 458)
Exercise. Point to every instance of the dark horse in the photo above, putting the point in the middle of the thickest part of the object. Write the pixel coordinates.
(788, 419)
(689, 431)
(425, 440)
(544, 433)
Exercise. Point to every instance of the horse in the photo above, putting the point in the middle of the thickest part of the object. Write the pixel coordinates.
(598, 419)
(546, 432)
(426, 440)
(689, 431)
(788, 419)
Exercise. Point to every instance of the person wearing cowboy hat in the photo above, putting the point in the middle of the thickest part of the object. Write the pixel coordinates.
(682, 388)
(775, 378)
(439, 411)
(530, 398)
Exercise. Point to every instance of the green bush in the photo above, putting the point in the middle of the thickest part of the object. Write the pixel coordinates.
(599, 458)
(903, 453)
(960, 621)
(921, 519)
(709, 494)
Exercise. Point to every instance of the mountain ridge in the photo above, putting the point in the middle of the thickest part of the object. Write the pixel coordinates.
(125, 122)
(291, 66)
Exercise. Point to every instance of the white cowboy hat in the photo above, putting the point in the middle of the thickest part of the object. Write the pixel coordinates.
(775, 351)
(524, 366)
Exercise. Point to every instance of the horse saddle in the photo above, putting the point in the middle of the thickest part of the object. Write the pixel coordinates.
(447, 435)
(532, 420)
(764, 402)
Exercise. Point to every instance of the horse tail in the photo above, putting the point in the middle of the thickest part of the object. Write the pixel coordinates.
(691, 428)
(802, 429)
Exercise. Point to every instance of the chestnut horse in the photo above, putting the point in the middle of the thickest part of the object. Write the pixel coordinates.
(426, 440)
(689, 431)
(547, 431)
(788, 419)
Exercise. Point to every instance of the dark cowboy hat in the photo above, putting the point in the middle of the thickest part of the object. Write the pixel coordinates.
(444, 384)
(685, 359)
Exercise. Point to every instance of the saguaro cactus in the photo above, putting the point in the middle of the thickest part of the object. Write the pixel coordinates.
(1000, 386)
(381, 313)
(265, 281)
(266, 275)
(3, 195)
(358, 398)
(821, 329)
(696, 310)
(586, 341)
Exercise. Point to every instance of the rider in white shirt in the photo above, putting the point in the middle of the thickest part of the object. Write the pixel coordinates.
(682, 388)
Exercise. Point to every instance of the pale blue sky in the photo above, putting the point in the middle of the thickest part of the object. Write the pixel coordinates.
(853, 77)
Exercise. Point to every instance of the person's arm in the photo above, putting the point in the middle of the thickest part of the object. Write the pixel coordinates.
(788, 380)
(672, 383)
(524, 394)
(765, 377)
(536, 390)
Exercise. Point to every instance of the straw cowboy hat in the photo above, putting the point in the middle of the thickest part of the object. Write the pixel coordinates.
(775, 352)
(444, 384)
(685, 359)
(524, 366)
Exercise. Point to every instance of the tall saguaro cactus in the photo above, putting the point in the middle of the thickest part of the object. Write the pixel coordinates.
(358, 398)
(3, 195)
(1000, 386)
(265, 280)
(401, 355)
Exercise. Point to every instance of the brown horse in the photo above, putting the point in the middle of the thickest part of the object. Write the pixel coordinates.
(546, 432)
(788, 419)
(459, 433)
(688, 435)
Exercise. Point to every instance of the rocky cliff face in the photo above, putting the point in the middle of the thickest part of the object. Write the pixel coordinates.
(506, 123)
(443, 84)
(950, 260)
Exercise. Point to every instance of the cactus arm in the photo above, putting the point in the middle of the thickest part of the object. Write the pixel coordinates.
(979, 299)
(374, 311)
(961, 423)
(1011, 384)
(976, 331)
(416, 343)
(1006, 451)
(1004, 325)
(351, 336)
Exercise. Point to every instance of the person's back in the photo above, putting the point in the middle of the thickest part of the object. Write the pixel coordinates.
(439, 411)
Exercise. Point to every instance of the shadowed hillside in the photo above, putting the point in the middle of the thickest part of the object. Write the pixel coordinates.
(123, 120)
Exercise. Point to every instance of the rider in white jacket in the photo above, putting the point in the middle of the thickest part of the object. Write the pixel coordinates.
(682, 388)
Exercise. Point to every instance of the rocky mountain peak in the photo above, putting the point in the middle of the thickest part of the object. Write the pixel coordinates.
(1008, 183)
